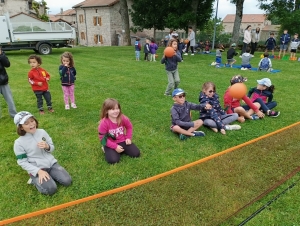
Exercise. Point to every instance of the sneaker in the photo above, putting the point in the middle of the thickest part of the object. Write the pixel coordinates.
(232, 127)
(192, 54)
(167, 94)
(242, 68)
(182, 137)
(255, 117)
(67, 107)
(42, 112)
(73, 105)
(185, 54)
(199, 133)
(29, 181)
(50, 110)
(274, 114)
(240, 56)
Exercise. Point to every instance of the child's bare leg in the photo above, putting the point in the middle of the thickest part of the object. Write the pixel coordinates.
(242, 112)
(197, 124)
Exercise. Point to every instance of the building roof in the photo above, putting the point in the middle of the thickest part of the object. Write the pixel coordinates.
(247, 18)
(95, 3)
(271, 28)
(26, 15)
(68, 12)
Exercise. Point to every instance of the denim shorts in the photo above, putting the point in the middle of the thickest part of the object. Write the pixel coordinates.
(283, 46)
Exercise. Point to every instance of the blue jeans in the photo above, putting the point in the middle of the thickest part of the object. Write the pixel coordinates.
(264, 106)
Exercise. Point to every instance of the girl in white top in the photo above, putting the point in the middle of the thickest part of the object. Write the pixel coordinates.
(247, 38)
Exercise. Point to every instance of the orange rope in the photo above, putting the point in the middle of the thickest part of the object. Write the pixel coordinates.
(141, 182)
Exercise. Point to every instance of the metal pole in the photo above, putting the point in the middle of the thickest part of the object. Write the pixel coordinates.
(215, 26)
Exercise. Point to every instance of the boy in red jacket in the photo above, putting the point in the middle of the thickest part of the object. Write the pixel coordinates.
(233, 105)
(38, 78)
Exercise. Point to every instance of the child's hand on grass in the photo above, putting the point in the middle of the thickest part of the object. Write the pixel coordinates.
(260, 114)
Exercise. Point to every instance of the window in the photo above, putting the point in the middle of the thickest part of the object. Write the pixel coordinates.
(97, 21)
(98, 39)
(96, 10)
(2, 1)
(82, 35)
(81, 20)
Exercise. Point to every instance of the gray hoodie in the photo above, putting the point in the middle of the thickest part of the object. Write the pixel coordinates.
(30, 157)
(246, 58)
(181, 113)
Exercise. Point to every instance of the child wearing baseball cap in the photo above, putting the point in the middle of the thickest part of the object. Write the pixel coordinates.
(263, 94)
(33, 152)
(233, 105)
(182, 123)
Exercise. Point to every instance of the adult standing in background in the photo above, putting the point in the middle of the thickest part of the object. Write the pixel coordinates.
(191, 43)
(4, 87)
(255, 38)
(247, 38)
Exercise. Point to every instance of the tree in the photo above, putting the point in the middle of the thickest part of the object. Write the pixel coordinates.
(125, 20)
(176, 14)
(284, 12)
(36, 7)
(239, 4)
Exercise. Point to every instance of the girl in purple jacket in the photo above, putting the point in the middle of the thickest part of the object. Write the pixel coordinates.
(153, 47)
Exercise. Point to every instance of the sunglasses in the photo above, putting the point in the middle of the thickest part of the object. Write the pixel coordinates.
(211, 91)
(180, 96)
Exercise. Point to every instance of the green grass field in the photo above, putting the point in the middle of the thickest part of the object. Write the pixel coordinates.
(139, 86)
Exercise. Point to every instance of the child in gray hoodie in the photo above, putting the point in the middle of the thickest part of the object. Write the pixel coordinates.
(33, 152)
(246, 57)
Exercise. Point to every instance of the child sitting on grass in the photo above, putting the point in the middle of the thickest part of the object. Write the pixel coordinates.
(265, 64)
(246, 57)
(219, 55)
(33, 151)
(262, 93)
(215, 118)
(181, 116)
(233, 105)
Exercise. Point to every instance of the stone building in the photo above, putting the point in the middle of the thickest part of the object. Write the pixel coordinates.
(17, 6)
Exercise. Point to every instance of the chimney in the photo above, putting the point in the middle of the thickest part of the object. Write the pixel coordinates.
(61, 10)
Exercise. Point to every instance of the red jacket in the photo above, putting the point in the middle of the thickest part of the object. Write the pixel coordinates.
(36, 75)
(231, 103)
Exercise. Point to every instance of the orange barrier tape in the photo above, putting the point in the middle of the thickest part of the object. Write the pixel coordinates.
(141, 182)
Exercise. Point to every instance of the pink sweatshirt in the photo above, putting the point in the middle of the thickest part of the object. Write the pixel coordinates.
(121, 133)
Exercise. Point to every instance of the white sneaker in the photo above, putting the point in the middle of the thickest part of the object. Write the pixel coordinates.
(252, 55)
(73, 105)
(185, 54)
(192, 54)
(67, 107)
(232, 127)
(29, 181)
(240, 56)
(242, 68)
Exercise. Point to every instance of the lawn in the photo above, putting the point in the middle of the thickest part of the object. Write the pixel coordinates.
(139, 86)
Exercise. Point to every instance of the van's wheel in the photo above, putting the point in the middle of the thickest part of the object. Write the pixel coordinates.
(45, 49)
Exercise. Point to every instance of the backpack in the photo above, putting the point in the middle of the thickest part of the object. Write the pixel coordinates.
(265, 64)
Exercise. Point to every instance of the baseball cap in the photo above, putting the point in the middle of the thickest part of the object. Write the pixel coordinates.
(237, 79)
(21, 117)
(233, 45)
(177, 92)
(265, 81)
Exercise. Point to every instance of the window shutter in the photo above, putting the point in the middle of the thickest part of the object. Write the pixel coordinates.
(96, 39)
(101, 39)
(95, 20)
(100, 21)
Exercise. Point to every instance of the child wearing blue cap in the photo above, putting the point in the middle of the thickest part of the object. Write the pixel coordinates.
(181, 116)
